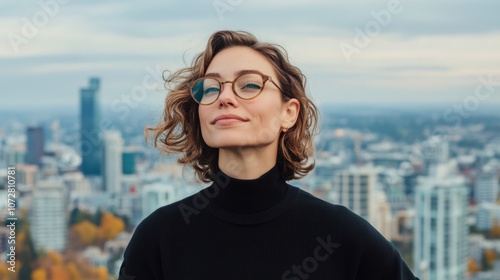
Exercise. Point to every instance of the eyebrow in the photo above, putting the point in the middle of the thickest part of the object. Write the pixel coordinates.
(236, 74)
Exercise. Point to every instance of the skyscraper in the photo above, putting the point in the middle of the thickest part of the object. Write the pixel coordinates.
(112, 161)
(48, 216)
(128, 161)
(486, 188)
(35, 145)
(90, 134)
(440, 229)
(355, 189)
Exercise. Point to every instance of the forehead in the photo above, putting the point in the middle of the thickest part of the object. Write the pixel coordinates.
(231, 60)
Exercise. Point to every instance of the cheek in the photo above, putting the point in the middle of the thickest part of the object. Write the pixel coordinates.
(203, 115)
(270, 119)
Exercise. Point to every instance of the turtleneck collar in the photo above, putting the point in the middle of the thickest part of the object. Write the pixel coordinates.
(245, 196)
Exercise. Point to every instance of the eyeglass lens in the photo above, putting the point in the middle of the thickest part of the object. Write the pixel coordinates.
(207, 90)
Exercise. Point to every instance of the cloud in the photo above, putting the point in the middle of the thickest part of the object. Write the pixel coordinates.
(430, 51)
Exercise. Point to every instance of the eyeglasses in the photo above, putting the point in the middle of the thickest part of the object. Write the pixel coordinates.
(206, 90)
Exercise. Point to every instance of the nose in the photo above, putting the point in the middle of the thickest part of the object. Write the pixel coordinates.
(227, 96)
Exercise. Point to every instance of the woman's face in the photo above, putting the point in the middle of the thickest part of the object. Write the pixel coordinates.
(263, 117)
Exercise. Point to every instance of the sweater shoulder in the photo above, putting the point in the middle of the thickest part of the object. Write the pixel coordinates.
(335, 215)
(170, 214)
(307, 200)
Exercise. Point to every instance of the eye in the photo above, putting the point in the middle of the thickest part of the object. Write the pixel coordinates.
(251, 86)
(211, 90)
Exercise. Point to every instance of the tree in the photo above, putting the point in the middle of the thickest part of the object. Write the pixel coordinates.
(77, 216)
(489, 258)
(473, 267)
(27, 253)
(5, 273)
(97, 218)
(85, 233)
(73, 271)
(39, 274)
(495, 229)
(110, 226)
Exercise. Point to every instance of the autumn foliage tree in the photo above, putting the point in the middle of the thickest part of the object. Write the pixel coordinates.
(5, 274)
(110, 226)
(489, 258)
(472, 266)
(54, 267)
(85, 233)
(495, 229)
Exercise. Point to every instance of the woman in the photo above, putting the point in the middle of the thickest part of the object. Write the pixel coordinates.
(241, 118)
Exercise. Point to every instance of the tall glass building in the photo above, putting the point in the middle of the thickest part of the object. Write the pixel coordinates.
(90, 133)
(35, 145)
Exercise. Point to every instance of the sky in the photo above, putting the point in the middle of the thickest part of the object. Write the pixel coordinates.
(352, 52)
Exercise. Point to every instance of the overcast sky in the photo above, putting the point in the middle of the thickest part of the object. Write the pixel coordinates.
(380, 52)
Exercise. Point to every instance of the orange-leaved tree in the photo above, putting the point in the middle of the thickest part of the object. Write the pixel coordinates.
(110, 226)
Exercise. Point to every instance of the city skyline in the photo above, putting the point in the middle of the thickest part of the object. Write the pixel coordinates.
(371, 162)
(377, 52)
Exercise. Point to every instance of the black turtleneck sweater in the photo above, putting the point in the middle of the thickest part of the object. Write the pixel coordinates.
(258, 229)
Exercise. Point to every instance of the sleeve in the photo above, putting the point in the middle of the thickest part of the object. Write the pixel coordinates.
(381, 260)
(397, 268)
(372, 255)
(142, 257)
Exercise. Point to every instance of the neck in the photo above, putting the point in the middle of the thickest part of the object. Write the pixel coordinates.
(247, 162)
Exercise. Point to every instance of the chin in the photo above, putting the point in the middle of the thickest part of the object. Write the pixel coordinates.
(227, 144)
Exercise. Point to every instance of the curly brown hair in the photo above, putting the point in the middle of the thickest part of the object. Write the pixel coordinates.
(179, 129)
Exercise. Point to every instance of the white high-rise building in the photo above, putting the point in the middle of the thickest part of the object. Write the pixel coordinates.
(383, 219)
(441, 232)
(488, 214)
(156, 195)
(112, 165)
(355, 189)
(487, 188)
(49, 216)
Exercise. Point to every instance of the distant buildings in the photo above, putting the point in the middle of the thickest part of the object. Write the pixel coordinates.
(486, 189)
(112, 161)
(488, 214)
(128, 161)
(16, 154)
(355, 188)
(49, 216)
(156, 195)
(90, 134)
(35, 145)
(27, 175)
(96, 257)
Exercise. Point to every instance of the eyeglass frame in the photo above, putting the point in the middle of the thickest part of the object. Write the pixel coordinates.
(265, 78)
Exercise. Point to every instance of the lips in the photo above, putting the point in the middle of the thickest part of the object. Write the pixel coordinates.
(228, 117)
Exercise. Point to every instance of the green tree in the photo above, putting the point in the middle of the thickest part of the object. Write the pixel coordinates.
(77, 216)
(27, 256)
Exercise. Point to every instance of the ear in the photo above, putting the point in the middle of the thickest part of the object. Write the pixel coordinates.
(291, 110)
